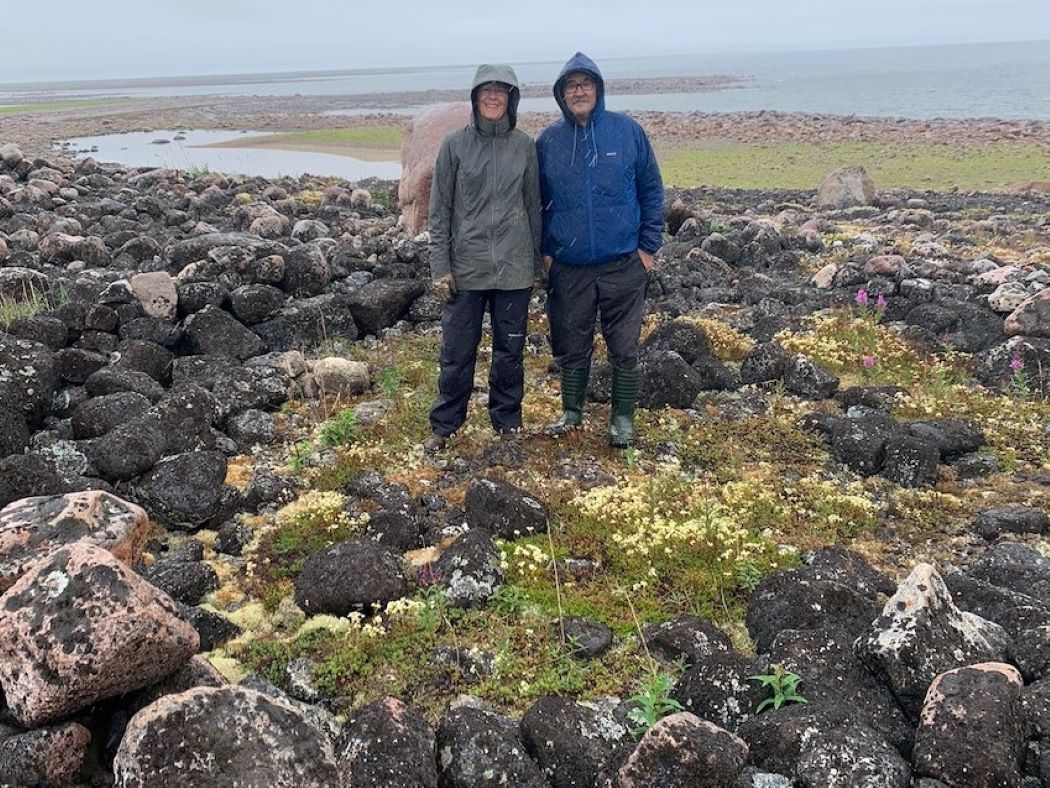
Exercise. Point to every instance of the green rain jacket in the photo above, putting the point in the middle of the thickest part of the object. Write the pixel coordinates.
(485, 199)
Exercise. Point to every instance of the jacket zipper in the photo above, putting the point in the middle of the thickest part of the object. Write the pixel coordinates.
(492, 212)
(590, 191)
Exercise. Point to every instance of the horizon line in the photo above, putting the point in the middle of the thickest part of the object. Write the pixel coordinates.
(294, 75)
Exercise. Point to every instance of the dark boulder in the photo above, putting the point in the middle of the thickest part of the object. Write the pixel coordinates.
(572, 742)
(185, 490)
(469, 570)
(351, 576)
(97, 416)
(683, 750)
(382, 302)
(971, 731)
(480, 748)
(215, 331)
(504, 510)
(385, 743)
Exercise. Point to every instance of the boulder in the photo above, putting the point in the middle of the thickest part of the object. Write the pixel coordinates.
(971, 730)
(14, 432)
(718, 688)
(1012, 519)
(505, 511)
(340, 377)
(46, 756)
(689, 639)
(351, 576)
(419, 151)
(571, 741)
(846, 187)
(921, 634)
(478, 747)
(32, 527)
(793, 599)
(184, 490)
(469, 570)
(667, 380)
(385, 743)
(215, 736)
(683, 751)
(127, 450)
(306, 271)
(215, 331)
(81, 627)
(28, 377)
(1031, 318)
(156, 293)
(382, 302)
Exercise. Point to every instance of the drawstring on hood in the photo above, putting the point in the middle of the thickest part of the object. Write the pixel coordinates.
(581, 63)
(495, 73)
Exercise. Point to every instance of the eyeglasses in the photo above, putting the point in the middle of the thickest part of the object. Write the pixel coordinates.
(495, 87)
(586, 85)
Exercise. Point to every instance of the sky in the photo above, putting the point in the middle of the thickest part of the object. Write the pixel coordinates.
(121, 39)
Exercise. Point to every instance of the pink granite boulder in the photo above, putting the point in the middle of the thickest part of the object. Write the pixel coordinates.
(1031, 318)
(31, 527)
(419, 151)
(79, 627)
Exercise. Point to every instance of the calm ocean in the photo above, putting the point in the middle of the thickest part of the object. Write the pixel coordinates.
(1009, 80)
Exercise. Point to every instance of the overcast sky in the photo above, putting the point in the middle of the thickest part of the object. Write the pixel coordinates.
(66, 40)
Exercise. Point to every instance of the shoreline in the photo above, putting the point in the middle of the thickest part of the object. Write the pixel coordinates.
(672, 133)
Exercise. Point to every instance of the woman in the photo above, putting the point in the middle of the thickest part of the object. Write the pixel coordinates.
(484, 252)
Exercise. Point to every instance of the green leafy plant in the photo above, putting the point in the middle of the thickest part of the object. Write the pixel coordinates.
(390, 380)
(300, 456)
(654, 702)
(784, 685)
(509, 599)
(339, 430)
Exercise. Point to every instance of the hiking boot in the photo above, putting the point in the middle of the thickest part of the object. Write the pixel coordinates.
(573, 392)
(434, 443)
(625, 384)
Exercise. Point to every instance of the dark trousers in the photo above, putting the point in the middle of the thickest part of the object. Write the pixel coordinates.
(615, 292)
(461, 332)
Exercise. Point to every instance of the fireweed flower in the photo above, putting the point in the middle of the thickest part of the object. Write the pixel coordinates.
(868, 361)
(861, 297)
(880, 302)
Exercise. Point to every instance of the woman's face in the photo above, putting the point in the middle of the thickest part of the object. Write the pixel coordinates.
(493, 98)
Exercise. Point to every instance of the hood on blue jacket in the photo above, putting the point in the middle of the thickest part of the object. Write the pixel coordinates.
(498, 72)
(579, 62)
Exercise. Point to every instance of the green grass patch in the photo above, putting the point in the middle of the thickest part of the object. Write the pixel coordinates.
(359, 137)
(802, 165)
(46, 106)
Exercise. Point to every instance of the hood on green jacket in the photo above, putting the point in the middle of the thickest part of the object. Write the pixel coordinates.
(495, 72)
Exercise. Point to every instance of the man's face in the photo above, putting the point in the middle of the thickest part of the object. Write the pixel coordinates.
(581, 95)
(493, 98)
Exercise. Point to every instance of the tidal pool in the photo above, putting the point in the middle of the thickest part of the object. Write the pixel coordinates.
(183, 149)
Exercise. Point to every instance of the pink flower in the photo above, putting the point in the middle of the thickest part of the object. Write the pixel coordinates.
(1017, 363)
(861, 297)
(880, 302)
(868, 361)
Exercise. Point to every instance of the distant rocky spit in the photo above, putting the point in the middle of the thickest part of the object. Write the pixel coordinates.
(185, 309)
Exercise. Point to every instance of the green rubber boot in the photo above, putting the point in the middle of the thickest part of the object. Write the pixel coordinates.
(625, 385)
(573, 392)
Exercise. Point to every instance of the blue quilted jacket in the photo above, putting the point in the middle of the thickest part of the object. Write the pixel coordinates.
(600, 184)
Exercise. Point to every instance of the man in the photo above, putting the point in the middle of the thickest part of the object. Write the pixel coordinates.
(603, 219)
(484, 252)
